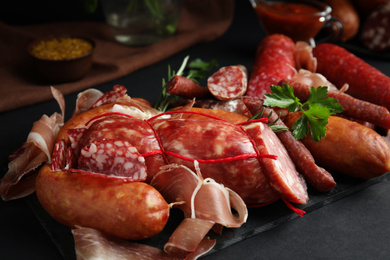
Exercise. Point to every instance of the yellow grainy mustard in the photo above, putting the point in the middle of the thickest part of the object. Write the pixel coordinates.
(61, 48)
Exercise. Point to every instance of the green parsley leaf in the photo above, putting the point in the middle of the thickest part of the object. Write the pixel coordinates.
(315, 111)
(282, 97)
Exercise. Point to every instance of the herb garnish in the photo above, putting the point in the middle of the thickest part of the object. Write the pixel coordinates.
(197, 70)
(315, 111)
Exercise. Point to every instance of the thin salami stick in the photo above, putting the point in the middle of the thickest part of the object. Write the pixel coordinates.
(316, 176)
(186, 88)
(353, 107)
(340, 66)
(274, 61)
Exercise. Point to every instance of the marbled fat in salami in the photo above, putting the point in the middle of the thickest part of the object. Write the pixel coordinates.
(375, 33)
(228, 83)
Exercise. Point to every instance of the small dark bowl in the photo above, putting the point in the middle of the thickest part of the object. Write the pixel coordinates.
(66, 69)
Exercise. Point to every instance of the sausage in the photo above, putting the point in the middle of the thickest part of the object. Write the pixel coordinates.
(375, 33)
(340, 66)
(345, 11)
(349, 148)
(366, 7)
(186, 88)
(316, 176)
(128, 210)
(357, 109)
(274, 61)
(223, 150)
(228, 82)
(281, 172)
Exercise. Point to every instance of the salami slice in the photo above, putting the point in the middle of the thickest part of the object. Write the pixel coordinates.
(282, 174)
(113, 157)
(111, 96)
(228, 82)
(375, 34)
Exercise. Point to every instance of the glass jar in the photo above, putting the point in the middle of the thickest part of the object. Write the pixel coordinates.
(142, 22)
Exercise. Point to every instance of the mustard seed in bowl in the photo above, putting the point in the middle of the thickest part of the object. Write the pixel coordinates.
(61, 48)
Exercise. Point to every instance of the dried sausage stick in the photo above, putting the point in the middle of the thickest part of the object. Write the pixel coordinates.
(316, 176)
(274, 61)
(186, 88)
(340, 66)
(353, 107)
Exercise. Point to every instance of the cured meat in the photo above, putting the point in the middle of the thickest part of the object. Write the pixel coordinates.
(186, 88)
(317, 177)
(274, 61)
(128, 210)
(340, 66)
(349, 148)
(281, 173)
(93, 244)
(223, 150)
(113, 157)
(19, 180)
(357, 109)
(111, 96)
(375, 33)
(228, 83)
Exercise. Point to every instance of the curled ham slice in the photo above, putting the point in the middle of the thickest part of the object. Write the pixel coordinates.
(35, 151)
(86, 99)
(304, 58)
(204, 198)
(93, 244)
(310, 79)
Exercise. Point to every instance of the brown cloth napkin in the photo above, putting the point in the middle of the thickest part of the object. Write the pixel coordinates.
(201, 21)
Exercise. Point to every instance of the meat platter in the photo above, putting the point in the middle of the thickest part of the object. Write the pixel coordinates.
(85, 136)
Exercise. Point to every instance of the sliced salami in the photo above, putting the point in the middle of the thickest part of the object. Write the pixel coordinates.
(375, 33)
(113, 157)
(228, 82)
(110, 96)
(282, 174)
(224, 151)
(58, 156)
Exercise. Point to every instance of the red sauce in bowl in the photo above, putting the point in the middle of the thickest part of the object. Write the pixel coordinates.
(299, 21)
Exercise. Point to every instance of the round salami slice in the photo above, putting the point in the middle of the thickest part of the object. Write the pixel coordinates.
(375, 34)
(228, 83)
(113, 157)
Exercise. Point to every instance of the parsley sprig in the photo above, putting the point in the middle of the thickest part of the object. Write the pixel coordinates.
(315, 111)
(197, 70)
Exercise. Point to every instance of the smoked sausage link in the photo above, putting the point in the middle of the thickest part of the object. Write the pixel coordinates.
(340, 66)
(274, 61)
(349, 148)
(128, 210)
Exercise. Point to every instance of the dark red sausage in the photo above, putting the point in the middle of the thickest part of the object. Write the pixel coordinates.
(375, 33)
(354, 108)
(186, 88)
(317, 177)
(129, 210)
(224, 152)
(340, 66)
(228, 82)
(274, 61)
